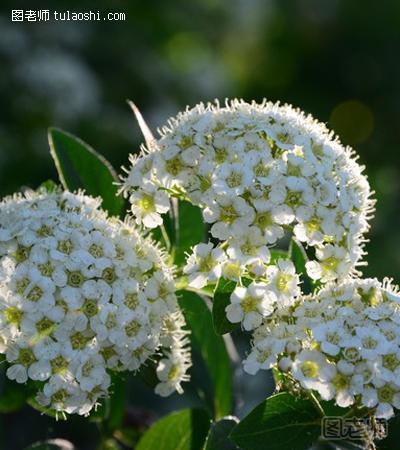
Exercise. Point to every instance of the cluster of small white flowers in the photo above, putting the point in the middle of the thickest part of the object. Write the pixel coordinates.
(256, 171)
(81, 295)
(275, 290)
(343, 343)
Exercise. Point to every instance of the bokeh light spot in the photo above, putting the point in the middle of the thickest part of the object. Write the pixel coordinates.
(353, 121)
(187, 51)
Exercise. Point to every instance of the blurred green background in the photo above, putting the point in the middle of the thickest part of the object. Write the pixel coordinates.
(336, 59)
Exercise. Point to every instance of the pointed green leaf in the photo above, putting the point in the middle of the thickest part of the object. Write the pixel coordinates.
(191, 230)
(218, 436)
(282, 422)
(212, 349)
(182, 430)
(81, 167)
(299, 257)
(221, 300)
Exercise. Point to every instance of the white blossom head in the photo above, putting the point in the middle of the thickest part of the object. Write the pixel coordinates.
(258, 171)
(343, 343)
(81, 295)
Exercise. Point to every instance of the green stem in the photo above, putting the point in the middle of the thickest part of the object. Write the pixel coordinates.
(316, 403)
(182, 283)
(357, 411)
(165, 237)
(200, 291)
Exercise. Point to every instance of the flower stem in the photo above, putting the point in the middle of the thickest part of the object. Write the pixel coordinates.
(165, 237)
(316, 403)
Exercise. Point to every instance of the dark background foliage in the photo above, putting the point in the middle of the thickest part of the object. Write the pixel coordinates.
(336, 59)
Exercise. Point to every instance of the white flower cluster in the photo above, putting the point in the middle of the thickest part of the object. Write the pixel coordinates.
(82, 294)
(343, 343)
(256, 170)
(276, 290)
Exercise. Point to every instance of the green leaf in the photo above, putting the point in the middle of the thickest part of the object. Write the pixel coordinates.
(212, 349)
(182, 430)
(277, 254)
(221, 300)
(282, 422)
(42, 409)
(12, 395)
(191, 230)
(331, 409)
(52, 444)
(117, 401)
(81, 167)
(299, 257)
(218, 436)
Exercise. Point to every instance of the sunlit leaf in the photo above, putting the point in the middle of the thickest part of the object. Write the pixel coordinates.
(221, 300)
(191, 230)
(81, 167)
(182, 430)
(282, 422)
(218, 436)
(211, 347)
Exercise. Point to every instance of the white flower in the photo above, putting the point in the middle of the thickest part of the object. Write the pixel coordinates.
(269, 220)
(263, 356)
(91, 371)
(332, 264)
(259, 360)
(383, 398)
(372, 342)
(204, 265)
(81, 293)
(283, 281)
(232, 178)
(249, 248)
(170, 372)
(313, 371)
(229, 216)
(346, 385)
(329, 335)
(148, 205)
(250, 304)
